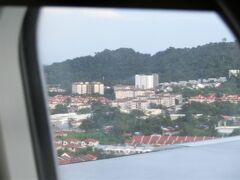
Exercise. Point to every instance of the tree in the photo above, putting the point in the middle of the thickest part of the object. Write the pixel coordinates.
(224, 39)
(60, 108)
(84, 111)
(84, 151)
(60, 152)
(67, 101)
(88, 125)
(236, 132)
(137, 113)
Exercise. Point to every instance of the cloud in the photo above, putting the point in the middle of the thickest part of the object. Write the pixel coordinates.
(101, 13)
(106, 13)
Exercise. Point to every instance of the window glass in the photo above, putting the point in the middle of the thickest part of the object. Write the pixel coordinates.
(123, 82)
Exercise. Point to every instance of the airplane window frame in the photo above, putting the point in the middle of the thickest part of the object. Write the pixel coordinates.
(36, 99)
(33, 80)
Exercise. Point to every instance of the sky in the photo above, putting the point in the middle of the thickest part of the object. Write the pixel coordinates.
(67, 33)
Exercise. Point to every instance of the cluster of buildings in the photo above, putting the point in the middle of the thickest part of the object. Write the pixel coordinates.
(193, 84)
(56, 88)
(121, 150)
(71, 119)
(146, 102)
(228, 124)
(72, 146)
(213, 98)
(63, 121)
(124, 92)
(75, 145)
(146, 95)
(143, 95)
(79, 101)
(66, 158)
(88, 88)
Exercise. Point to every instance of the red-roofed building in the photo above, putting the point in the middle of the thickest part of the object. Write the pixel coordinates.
(91, 142)
(68, 159)
(158, 140)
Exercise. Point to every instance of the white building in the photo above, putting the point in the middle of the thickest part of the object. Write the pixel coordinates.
(226, 129)
(143, 81)
(125, 150)
(98, 88)
(233, 72)
(88, 88)
(62, 120)
(81, 88)
(55, 88)
(176, 116)
(167, 100)
(143, 102)
(123, 92)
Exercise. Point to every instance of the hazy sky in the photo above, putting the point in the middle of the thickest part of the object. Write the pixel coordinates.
(66, 33)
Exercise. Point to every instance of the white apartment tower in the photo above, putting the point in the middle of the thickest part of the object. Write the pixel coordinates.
(88, 88)
(98, 88)
(143, 81)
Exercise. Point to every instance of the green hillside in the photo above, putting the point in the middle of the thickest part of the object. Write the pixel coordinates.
(120, 66)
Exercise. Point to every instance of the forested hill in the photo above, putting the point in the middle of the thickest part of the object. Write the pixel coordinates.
(120, 66)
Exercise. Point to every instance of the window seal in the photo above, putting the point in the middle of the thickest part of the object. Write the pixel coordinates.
(36, 98)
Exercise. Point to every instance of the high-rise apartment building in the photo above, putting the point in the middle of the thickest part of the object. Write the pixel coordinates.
(88, 88)
(98, 88)
(143, 81)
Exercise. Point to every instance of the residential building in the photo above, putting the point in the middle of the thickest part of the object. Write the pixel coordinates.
(158, 140)
(125, 150)
(55, 88)
(88, 88)
(143, 81)
(167, 100)
(123, 92)
(143, 102)
(176, 116)
(98, 88)
(233, 72)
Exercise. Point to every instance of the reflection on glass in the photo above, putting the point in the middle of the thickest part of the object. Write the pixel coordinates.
(123, 82)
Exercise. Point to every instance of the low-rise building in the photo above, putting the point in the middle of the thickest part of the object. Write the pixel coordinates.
(176, 116)
(226, 129)
(158, 140)
(233, 72)
(124, 92)
(66, 158)
(55, 88)
(91, 142)
(153, 112)
(125, 150)
(144, 102)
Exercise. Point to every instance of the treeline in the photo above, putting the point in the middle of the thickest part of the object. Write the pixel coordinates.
(212, 109)
(204, 125)
(121, 123)
(120, 66)
(230, 87)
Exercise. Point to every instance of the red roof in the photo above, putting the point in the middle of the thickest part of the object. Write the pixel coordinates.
(90, 140)
(163, 140)
(67, 159)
